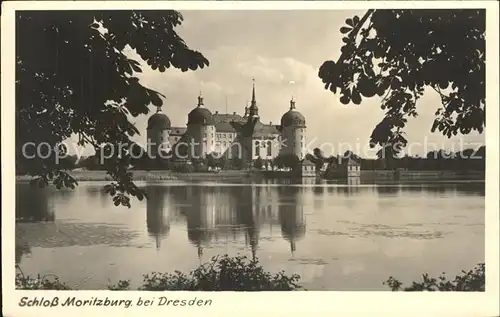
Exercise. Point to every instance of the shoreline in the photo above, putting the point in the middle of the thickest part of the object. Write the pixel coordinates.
(159, 175)
(241, 175)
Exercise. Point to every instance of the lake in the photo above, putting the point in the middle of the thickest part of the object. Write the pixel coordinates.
(335, 236)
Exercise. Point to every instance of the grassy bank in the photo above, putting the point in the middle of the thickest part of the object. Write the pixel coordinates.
(84, 175)
(239, 273)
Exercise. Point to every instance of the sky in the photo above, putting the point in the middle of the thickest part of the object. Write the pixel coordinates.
(282, 51)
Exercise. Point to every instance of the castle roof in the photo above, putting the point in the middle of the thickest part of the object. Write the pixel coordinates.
(307, 162)
(223, 122)
(159, 121)
(226, 123)
(177, 131)
(263, 130)
(200, 114)
(292, 117)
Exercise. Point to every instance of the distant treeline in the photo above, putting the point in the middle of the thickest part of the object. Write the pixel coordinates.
(468, 159)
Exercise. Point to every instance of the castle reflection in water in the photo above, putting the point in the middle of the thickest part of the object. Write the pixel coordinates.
(215, 215)
(220, 213)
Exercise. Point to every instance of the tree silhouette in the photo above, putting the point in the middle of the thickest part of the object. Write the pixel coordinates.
(395, 54)
(258, 163)
(211, 162)
(287, 160)
(318, 153)
(74, 78)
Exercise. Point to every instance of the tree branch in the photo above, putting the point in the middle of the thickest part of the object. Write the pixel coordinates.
(354, 32)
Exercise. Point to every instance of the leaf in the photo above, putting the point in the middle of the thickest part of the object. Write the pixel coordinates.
(135, 66)
(355, 97)
(349, 22)
(344, 99)
(345, 30)
(355, 20)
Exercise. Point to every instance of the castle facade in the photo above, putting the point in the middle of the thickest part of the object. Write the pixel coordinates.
(245, 136)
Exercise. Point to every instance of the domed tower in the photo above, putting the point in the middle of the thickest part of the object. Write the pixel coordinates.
(157, 133)
(201, 131)
(293, 132)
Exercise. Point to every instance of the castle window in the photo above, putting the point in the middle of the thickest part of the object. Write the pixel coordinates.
(257, 148)
(269, 148)
(224, 143)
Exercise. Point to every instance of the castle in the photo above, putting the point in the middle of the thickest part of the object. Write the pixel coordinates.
(231, 135)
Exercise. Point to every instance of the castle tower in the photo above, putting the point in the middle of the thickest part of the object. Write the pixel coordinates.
(201, 131)
(293, 132)
(253, 110)
(246, 112)
(157, 134)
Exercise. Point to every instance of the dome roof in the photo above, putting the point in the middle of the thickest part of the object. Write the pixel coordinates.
(159, 121)
(200, 115)
(292, 117)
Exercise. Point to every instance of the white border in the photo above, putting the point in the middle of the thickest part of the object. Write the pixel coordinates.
(293, 303)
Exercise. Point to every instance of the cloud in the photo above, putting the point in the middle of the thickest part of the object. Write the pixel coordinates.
(276, 48)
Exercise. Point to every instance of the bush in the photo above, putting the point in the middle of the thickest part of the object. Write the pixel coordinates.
(183, 168)
(471, 281)
(221, 274)
(241, 274)
(38, 283)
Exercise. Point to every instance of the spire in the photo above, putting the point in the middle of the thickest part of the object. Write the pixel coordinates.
(253, 92)
(253, 110)
(200, 100)
(292, 104)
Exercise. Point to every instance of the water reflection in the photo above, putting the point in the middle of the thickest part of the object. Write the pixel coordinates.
(201, 216)
(33, 204)
(231, 215)
(22, 249)
(238, 212)
(157, 213)
(291, 215)
(390, 191)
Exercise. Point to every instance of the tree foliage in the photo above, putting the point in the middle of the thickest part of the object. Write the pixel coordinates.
(223, 273)
(73, 77)
(257, 163)
(467, 281)
(395, 54)
(287, 160)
